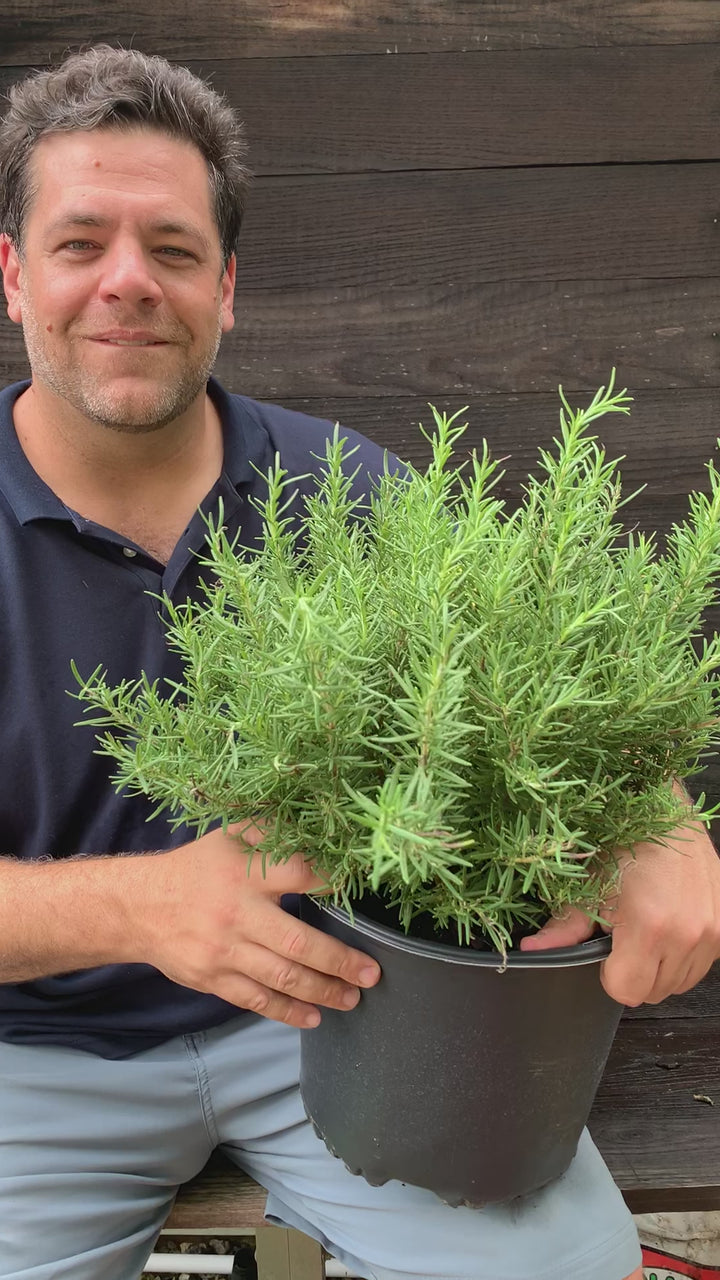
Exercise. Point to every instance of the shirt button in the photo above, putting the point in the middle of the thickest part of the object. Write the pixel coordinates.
(129, 552)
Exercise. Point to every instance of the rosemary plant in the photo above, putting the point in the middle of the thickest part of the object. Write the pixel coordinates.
(463, 709)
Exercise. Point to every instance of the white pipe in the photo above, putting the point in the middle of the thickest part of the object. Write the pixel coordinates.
(218, 1265)
(176, 1264)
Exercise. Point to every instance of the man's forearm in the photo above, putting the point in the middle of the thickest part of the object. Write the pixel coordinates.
(59, 916)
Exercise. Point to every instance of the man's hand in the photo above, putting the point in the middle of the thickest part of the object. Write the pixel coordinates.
(664, 919)
(213, 922)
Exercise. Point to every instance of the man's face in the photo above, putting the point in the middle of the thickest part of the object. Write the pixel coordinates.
(119, 288)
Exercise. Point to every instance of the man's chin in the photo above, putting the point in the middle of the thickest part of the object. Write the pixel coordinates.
(136, 405)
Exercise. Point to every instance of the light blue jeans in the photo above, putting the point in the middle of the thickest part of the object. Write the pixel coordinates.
(92, 1151)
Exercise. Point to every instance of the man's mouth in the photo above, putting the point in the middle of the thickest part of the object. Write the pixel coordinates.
(128, 340)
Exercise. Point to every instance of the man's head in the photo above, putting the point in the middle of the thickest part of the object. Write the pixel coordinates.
(122, 195)
(106, 88)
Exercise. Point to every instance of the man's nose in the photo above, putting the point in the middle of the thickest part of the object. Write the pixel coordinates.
(128, 275)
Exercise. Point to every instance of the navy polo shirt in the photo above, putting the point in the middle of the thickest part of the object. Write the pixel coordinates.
(73, 590)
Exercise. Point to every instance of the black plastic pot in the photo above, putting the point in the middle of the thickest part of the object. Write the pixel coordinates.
(453, 1075)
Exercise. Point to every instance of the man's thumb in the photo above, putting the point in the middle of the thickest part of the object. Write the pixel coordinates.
(560, 931)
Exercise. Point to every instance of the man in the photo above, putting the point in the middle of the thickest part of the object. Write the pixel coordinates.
(130, 1041)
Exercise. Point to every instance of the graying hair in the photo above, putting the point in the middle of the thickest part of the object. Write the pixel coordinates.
(102, 87)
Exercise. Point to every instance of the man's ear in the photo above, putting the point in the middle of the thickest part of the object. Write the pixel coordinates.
(11, 269)
(227, 286)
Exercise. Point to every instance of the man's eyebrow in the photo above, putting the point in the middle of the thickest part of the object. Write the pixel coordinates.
(181, 229)
(76, 220)
(158, 228)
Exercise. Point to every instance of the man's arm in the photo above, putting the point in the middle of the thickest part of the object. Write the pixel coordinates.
(204, 914)
(59, 916)
(665, 917)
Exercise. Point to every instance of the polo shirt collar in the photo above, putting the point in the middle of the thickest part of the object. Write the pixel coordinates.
(245, 446)
(28, 495)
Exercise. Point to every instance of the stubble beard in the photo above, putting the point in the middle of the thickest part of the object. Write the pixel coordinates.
(130, 413)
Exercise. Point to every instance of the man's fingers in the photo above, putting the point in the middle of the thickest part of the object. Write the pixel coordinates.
(276, 986)
(249, 832)
(644, 968)
(638, 984)
(268, 945)
(297, 875)
(634, 975)
(253, 996)
(275, 973)
(298, 871)
(695, 973)
(312, 949)
(627, 985)
(564, 931)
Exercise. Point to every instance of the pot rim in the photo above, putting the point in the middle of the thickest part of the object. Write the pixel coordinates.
(590, 952)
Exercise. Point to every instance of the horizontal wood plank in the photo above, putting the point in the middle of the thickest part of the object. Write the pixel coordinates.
(221, 1198)
(646, 1109)
(686, 1199)
(220, 1203)
(32, 31)
(457, 111)
(464, 339)
(455, 230)
(454, 111)
(224, 1199)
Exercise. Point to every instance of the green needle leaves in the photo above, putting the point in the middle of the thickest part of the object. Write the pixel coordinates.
(463, 708)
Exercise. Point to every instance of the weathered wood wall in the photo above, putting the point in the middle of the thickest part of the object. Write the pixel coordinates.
(465, 203)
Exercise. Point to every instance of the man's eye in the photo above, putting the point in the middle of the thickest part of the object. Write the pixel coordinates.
(78, 244)
(174, 251)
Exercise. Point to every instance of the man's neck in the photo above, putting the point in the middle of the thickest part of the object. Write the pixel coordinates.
(137, 483)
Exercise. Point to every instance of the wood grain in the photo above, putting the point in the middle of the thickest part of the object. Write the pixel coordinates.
(451, 111)
(467, 339)
(462, 228)
(32, 31)
(644, 1109)
(221, 1197)
(455, 110)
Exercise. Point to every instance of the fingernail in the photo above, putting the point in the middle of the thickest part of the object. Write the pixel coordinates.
(312, 1019)
(350, 998)
(368, 977)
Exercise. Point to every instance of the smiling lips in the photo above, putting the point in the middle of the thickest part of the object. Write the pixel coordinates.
(129, 340)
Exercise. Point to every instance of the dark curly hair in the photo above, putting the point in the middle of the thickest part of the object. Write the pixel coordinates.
(103, 87)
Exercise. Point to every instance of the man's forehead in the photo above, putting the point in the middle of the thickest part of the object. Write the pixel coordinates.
(109, 159)
(108, 154)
